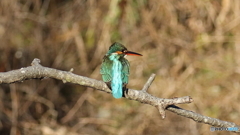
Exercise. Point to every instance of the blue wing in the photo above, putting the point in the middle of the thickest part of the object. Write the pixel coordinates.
(125, 70)
(106, 69)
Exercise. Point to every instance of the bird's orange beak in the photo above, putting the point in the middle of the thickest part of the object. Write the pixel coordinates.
(132, 53)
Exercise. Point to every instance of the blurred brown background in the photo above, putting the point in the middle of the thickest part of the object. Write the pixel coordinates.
(192, 45)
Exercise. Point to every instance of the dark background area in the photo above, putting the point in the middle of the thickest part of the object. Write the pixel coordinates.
(193, 46)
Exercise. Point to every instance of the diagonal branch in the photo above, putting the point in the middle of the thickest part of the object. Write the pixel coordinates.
(36, 71)
(149, 82)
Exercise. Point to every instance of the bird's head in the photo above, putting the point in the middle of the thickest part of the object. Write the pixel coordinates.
(120, 50)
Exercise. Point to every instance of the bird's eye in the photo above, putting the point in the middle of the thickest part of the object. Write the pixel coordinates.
(124, 51)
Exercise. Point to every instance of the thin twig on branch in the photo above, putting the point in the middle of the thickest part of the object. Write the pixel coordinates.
(36, 71)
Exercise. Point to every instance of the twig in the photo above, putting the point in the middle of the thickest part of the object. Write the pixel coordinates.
(36, 71)
(149, 82)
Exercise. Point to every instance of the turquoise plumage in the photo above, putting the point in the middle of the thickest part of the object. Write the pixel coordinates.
(116, 83)
(115, 69)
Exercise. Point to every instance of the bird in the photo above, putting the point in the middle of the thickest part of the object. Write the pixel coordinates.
(115, 68)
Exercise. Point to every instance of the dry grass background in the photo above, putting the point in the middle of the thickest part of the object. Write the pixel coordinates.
(192, 45)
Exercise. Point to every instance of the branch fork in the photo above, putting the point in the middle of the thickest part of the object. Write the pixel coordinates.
(160, 103)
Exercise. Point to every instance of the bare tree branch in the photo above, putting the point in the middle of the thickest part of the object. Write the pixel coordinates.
(36, 71)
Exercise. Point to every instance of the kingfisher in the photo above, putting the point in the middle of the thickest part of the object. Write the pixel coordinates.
(115, 68)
